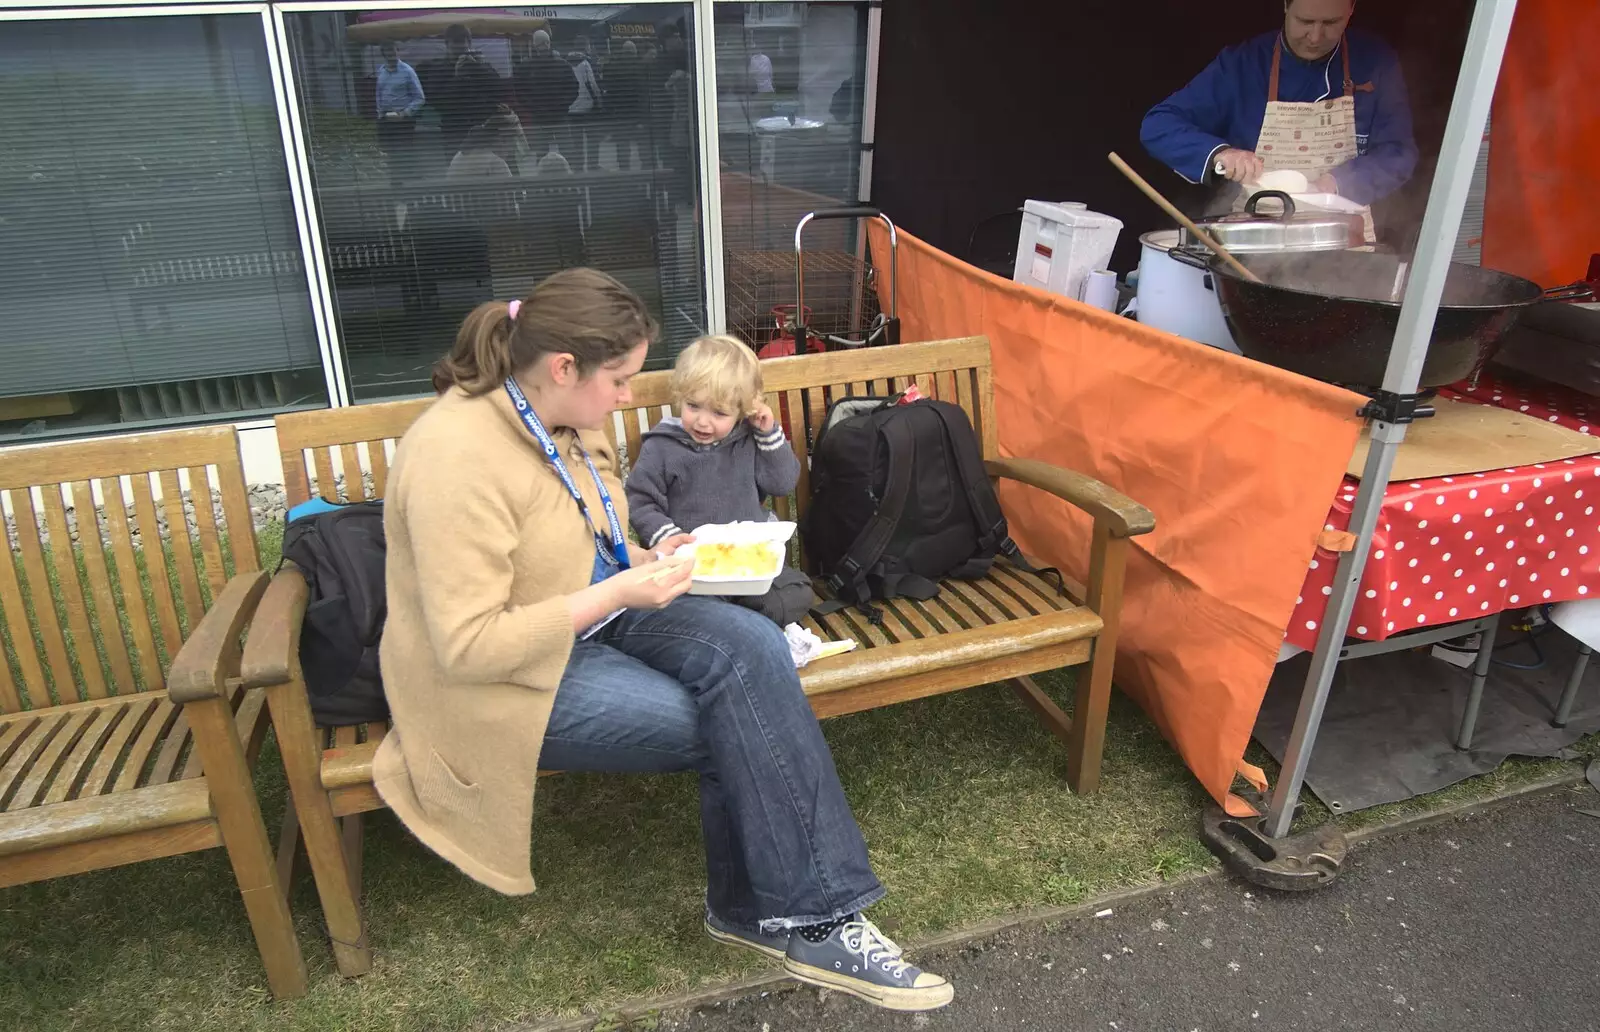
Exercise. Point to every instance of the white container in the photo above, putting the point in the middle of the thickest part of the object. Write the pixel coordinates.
(776, 532)
(1061, 243)
(1174, 297)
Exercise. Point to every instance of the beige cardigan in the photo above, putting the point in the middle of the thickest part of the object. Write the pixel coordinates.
(484, 541)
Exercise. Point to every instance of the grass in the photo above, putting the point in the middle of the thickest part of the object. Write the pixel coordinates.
(962, 798)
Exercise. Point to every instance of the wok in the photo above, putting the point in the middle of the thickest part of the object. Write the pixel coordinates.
(1329, 315)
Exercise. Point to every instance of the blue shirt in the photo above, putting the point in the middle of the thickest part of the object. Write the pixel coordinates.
(399, 90)
(1226, 103)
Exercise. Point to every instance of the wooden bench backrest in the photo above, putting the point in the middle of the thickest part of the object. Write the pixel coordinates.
(106, 616)
(319, 447)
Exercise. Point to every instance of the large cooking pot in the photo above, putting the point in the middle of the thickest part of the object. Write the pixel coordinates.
(1332, 315)
(1175, 292)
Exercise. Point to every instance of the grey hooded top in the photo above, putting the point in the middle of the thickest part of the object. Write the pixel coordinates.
(677, 484)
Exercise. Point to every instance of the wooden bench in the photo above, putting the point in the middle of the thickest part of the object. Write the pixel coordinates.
(109, 753)
(1003, 628)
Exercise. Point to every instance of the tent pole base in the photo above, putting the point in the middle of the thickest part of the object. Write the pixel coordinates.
(1296, 863)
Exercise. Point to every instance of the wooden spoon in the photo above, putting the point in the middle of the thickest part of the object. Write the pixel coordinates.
(1183, 220)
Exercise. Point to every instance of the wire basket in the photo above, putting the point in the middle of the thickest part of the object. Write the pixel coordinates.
(841, 294)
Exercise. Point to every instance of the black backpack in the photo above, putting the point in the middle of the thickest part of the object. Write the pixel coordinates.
(341, 553)
(899, 501)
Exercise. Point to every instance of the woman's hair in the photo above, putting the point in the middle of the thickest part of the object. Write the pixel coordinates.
(579, 312)
(718, 371)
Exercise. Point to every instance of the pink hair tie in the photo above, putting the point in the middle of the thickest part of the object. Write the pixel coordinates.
(513, 308)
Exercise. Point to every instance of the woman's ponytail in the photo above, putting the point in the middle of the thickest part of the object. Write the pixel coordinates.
(579, 312)
(481, 358)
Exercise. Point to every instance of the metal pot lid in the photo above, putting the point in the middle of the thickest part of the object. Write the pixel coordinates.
(1254, 231)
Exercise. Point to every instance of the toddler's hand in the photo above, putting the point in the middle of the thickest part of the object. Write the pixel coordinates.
(761, 417)
(670, 545)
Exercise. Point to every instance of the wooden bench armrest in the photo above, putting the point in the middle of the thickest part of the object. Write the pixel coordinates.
(211, 655)
(1124, 516)
(272, 650)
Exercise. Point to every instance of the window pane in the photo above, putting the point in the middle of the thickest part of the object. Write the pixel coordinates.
(487, 150)
(150, 265)
(789, 107)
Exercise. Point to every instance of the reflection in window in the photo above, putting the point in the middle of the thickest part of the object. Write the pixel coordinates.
(459, 157)
(789, 107)
(150, 264)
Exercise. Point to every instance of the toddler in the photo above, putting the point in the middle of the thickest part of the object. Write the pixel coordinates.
(716, 461)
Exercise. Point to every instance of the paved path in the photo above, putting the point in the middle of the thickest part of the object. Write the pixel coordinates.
(1488, 922)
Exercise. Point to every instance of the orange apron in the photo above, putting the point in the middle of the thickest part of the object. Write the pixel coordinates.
(1312, 138)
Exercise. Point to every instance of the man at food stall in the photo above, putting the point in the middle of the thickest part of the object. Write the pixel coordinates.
(1315, 98)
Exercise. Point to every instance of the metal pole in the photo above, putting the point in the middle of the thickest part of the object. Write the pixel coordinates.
(1480, 69)
(869, 106)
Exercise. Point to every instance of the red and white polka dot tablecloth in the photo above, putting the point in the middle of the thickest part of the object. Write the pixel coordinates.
(1457, 548)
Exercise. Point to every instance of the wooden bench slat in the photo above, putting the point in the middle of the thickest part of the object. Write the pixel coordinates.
(1031, 589)
(106, 611)
(138, 713)
(90, 819)
(355, 485)
(16, 615)
(75, 768)
(155, 564)
(14, 730)
(172, 749)
(205, 518)
(632, 433)
(36, 739)
(45, 622)
(10, 699)
(51, 757)
(91, 679)
(378, 458)
(144, 642)
(964, 391)
(963, 615)
(955, 649)
(155, 732)
(296, 484)
(327, 488)
(988, 428)
(905, 610)
(240, 524)
(182, 547)
(993, 605)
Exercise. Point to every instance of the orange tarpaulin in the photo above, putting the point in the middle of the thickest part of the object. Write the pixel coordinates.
(1237, 460)
(1542, 211)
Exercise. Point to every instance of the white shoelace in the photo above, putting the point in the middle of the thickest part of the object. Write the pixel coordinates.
(863, 938)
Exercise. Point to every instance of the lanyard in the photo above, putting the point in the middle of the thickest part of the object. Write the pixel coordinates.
(616, 554)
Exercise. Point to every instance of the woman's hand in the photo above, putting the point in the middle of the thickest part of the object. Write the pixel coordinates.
(652, 585)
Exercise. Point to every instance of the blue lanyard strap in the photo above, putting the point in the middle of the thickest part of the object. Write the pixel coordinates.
(618, 552)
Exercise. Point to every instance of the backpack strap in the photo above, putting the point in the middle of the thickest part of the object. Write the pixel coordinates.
(849, 580)
(992, 530)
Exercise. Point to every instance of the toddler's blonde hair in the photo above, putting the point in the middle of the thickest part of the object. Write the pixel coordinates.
(719, 371)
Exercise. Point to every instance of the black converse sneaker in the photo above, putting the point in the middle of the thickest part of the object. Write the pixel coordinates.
(771, 945)
(858, 959)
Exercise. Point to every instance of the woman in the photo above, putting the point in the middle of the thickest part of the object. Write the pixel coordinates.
(524, 631)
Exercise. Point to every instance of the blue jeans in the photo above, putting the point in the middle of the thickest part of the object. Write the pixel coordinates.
(710, 687)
